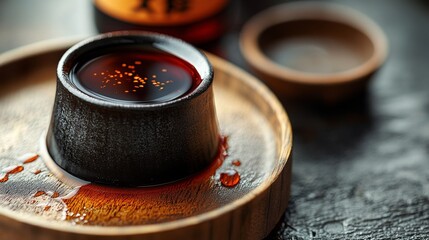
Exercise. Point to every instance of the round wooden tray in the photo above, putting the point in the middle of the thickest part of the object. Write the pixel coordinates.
(36, 203)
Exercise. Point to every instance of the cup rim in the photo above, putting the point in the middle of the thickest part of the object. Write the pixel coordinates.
(68, 62)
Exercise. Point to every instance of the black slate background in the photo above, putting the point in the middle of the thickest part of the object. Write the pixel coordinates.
(361, 169)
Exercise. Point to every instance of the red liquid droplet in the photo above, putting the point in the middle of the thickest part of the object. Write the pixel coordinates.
(39, 193)
(16, 170)
(236, 163)
(47, 208)
(31, 159)
(55, 195)
(230, 178)
(5, 178)
(36, 172)
(136, 75)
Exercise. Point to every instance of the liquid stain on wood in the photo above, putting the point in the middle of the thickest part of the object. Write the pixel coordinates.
(24, 159)
(110, 206)
(236, 163)
(102, 205)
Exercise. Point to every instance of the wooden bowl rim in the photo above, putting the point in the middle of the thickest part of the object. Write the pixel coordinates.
(326, 12)
(284, 159)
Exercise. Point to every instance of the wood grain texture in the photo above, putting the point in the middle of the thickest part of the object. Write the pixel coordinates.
(41, 206)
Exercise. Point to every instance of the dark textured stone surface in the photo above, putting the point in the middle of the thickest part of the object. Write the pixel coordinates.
(361, 171)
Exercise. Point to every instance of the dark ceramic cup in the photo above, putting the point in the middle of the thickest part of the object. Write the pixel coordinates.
(130, 143)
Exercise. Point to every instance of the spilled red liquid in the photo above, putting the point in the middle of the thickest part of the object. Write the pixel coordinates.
(14, 170)
(55, 195)
(28, 158)
(230, 178)
(31, 159)
(51, 194)
(236, 163)
(39, 193)
(5, 178)
(102, 205)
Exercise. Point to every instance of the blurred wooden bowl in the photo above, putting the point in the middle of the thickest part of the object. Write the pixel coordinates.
(313, 50)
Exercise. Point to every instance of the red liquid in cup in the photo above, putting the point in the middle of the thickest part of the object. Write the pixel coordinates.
(136, 75)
